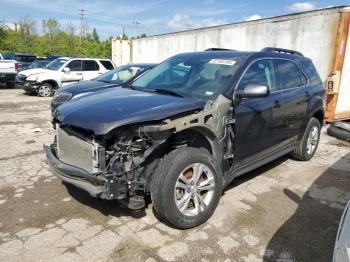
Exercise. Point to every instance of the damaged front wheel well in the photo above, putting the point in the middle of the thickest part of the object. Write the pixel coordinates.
(193, 137)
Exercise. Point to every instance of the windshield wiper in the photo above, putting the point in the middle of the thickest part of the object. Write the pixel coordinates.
(166, 91)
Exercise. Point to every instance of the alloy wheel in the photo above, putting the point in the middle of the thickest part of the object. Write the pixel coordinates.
(312, 140)
(194, 189)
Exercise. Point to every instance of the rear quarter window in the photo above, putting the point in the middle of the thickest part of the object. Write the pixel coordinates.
(310, 70)
(107, 64)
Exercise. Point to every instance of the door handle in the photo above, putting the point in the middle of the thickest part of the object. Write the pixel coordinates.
(79, 74)
(278, 104)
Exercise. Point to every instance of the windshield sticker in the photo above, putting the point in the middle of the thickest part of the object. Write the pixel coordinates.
(209, 93)
(222, 62)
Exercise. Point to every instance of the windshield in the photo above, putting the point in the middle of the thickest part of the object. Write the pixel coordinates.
(120, 74)
(202, 77)
(56, 64)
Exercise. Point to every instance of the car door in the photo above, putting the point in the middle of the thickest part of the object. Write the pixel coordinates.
(257, 119)
(91, 70)
(292, 83)
(74, 74)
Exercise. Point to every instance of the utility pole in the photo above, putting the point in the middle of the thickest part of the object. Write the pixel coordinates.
(82, 10)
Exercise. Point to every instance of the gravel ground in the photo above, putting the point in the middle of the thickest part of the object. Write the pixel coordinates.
(285, 211)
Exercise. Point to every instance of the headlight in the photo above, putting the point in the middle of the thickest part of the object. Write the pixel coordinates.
(80, 95)
(33, 77)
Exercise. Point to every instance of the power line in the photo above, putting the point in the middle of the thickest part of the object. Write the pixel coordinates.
(81, 14)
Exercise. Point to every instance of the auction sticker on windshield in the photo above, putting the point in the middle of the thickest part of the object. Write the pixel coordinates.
(222, 62)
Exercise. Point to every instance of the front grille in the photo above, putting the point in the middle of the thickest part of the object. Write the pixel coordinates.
(75, 151)
(62, 97)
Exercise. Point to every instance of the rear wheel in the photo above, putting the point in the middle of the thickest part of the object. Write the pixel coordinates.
(186, 187)
(308, 144)
(45, 90)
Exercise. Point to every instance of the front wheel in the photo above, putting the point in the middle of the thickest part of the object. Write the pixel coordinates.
(308, 144)
(186, 187)
(45, 90)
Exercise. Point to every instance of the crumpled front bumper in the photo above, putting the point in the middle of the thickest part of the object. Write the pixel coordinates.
(27, 86)
(96, 186)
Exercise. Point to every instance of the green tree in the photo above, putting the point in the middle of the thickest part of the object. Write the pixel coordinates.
(51, 29)
(95, 35)
(54, 41)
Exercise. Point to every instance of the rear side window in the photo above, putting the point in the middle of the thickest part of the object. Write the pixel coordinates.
(90, 65)
(288, 75)
(75, 65)
(107, 64)
(260, 72)
(311, 72)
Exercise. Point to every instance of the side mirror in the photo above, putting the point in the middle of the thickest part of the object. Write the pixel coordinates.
(253, 91)
(66, 69)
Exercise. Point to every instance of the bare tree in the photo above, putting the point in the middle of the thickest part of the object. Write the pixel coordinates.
(27, 33)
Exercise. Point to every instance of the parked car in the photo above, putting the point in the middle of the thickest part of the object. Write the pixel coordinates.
(113, 78)
(61, 72)
(185, 129)
(342, 242)
(10, 65)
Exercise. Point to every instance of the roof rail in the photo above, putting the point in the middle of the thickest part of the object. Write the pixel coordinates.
(218, 49)
(281, 50)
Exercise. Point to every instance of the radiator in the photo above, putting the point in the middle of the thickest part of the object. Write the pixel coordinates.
(75, 151)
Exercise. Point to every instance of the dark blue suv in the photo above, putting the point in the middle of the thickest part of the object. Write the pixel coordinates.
(188, 127)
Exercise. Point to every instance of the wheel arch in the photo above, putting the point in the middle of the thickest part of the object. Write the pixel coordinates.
(52, 82)
(197, 137)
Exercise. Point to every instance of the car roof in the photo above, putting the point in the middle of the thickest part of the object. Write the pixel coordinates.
(144, 64)
(245, 54)
(90, 58)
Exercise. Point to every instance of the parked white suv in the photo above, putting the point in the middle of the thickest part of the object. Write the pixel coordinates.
(61, 72)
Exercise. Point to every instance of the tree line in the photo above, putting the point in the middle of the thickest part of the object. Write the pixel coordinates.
(53, 39)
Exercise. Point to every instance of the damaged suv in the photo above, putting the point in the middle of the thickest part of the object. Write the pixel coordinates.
(184, 130)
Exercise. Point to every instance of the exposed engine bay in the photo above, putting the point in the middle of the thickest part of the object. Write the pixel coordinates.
(121, 162)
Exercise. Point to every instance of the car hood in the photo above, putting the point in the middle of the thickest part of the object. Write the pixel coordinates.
(34, 71)
(106, 110)
(86, 86)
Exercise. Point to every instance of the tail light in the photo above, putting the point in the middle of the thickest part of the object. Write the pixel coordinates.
(17, 66)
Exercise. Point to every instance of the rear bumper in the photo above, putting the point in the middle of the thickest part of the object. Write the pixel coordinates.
(96, 186)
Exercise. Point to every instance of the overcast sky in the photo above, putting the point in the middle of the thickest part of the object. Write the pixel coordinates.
(152, 17)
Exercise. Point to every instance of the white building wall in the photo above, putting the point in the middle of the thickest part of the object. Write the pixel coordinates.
(121, 52)
(311, 33)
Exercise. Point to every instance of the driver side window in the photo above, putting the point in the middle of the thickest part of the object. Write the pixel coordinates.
(261, 72)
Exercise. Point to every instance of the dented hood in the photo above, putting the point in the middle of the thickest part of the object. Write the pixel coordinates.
(105, 110)
(33, 71)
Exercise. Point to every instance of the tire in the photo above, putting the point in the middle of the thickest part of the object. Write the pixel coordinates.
(339, 133)
(168, 190)
(45, 90)
(309, 143)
